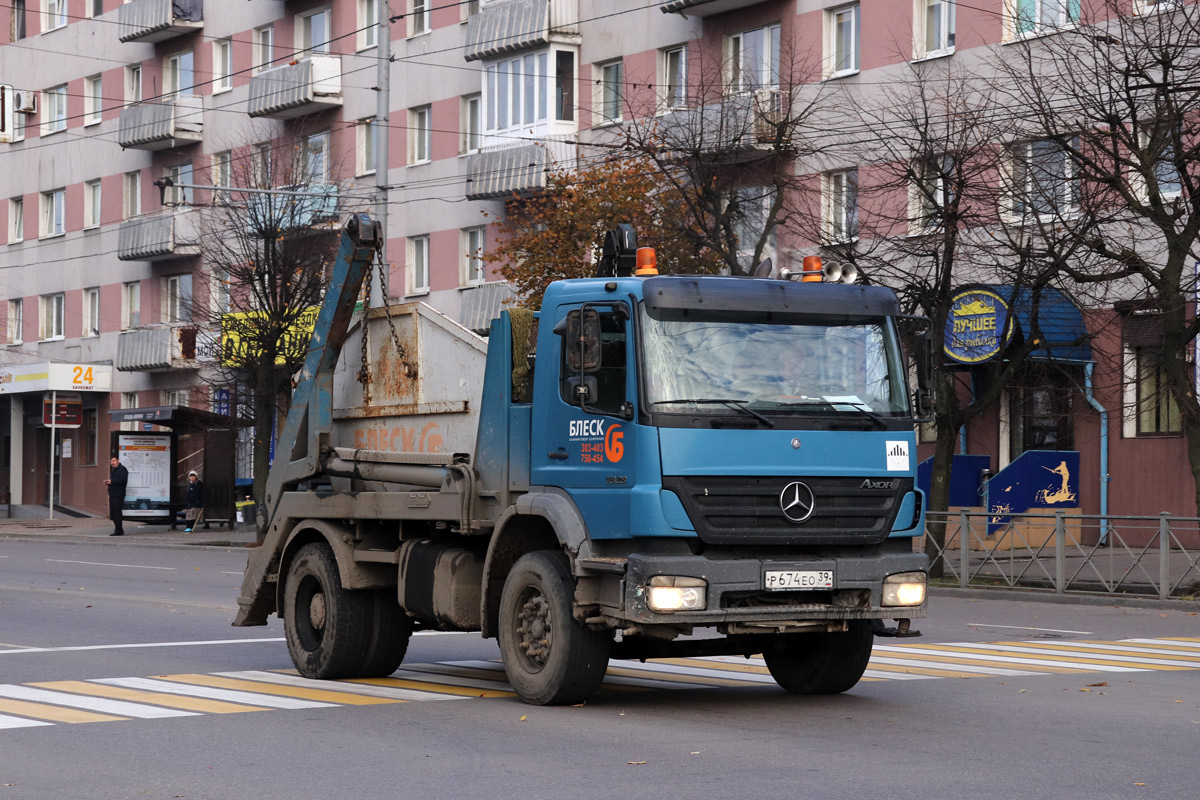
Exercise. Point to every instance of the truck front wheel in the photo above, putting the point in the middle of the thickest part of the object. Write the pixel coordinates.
(329, 629)
(550, 659)
(821, 663)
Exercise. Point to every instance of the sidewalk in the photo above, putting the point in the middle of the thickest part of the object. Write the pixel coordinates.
(91, 529)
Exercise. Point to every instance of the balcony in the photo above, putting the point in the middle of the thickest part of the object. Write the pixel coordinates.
(303, 87)
(162, 126)
(157, 348)
(157, 237)
(749, 122)
(158, 20)
(505, 171)
(273, 213)
(705, 8)
(511, 25)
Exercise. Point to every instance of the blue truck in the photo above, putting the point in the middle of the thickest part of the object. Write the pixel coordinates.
(659, 466)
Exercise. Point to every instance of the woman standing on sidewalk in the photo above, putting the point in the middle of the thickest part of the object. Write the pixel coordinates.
(195, 501)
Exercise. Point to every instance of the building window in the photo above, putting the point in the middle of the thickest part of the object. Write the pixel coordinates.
(564, 85)
(54, 110)
(180, 194)
(316, 158)
(418, 260)
(754, 59)
(516, 91)
(420, 132)
(264, 47)
(368, 24)
(611, 90)
(129, 400)
(55, 15)
(931, 192)
(1041, 411)
(91, 312)
(131, 306)
(1157, 411)
(314, 32)
(178, 74)
(841, 205)
(673, 77)
(222, 175)
(935, 22)
(51, 309)
(16, 220)
(177, 298)
(53, 211)
(473, 266)
(93, 8)
(1043, 179)
(222, 66)
(91, 204)
(260, 165)
(133, 194)
(176, 397)
(220, 291)
(418, 17)
(467, 10)
(1158, 146)
(751, 218)
(89, 437)
(843, 40)
(364, 147)
(470, 116)
(1033, 17)
(19, 123)
(16, 321)
(17, 22)
(133, 83)
(93, 98)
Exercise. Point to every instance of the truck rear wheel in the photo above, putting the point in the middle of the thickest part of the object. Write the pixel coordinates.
(549, 657)
(821, 663)
(329, 629)
(391, 629)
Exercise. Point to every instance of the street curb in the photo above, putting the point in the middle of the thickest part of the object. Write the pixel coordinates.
(1074, 599)
(106, 541)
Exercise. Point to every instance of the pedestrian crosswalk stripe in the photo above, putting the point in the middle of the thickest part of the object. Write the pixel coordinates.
(950, 656)
(118, 708)
(1184, 645)
(363, 689)
(250, 698)
(452, 686)
(981, 653)
(1022, 650)
(953, 669)
(16, 722)
(54, 713)
(153, 698)
(325, 694)
(1154, 656)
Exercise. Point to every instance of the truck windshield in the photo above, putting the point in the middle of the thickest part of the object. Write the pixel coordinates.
(842, 367)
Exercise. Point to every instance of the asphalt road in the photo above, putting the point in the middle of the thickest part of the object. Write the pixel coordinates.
(998, 699)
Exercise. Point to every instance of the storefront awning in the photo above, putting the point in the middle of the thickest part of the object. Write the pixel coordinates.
(180, 418)
(1064, 336)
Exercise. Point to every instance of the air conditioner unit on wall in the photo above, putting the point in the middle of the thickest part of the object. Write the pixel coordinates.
(25, 102)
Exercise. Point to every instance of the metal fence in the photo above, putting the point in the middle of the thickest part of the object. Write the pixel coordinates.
(1155, 556)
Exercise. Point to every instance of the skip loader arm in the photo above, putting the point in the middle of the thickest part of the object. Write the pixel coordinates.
(310, 417)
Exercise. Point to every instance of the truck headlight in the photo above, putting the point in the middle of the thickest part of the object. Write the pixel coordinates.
(676, 593)
(904, 589)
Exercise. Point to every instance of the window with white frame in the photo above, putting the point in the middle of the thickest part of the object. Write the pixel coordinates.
(841, 205)
(53, 213)
(260, 165)
(314, 31)
(418, 264)
(368, 24)
(220, 291)
(467, 9)
(751, 219)
(1152, 6)
(1158, 147)
(842, 40)
(176, 397)
(932, 191)
(178, 74)
(935, 27)
(672, 80)
(54, 110)
(420, 134)
(364, 147)
(264, 47)
(611, 90)
(180, 194)
(16, 321)
(93, 98)
(1043, 179)
(132, 195)
(470, 123)
(19, 123)
(91, 204)
(222, 175)
(418, 17)
(474, 268)
(51, 312)
(54, 15)
(133, 83)
(222, 80)
(129, 400)
(131, 306)
(91, 311)
(16, 29)
(177, 298)
(516, 92)
(1033, 17)
(93, 8)
(16, 220)
(754, 59)
(316, 158)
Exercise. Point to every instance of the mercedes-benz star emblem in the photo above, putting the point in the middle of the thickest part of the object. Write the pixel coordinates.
(797, 501)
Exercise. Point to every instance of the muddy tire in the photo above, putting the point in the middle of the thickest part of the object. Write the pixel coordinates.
(550, 659)
(821, 663)
(329, 629)
(391, 629)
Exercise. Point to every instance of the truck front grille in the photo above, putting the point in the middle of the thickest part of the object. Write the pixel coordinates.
(744, 511)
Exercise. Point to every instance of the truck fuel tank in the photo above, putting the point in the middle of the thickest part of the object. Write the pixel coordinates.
(441, 583)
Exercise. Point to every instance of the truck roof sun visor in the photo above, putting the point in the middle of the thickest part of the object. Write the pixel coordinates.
(678, 297)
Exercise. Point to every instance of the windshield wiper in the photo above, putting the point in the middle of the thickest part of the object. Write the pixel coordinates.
(865, 411)
(739, 405)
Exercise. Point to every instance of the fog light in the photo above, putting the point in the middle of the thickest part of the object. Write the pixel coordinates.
(676, 593)
(904, 589)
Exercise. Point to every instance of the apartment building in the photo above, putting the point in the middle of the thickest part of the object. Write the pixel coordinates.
(102, 273)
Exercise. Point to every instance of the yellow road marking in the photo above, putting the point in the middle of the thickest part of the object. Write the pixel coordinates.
(937, 673)
(261, 687)
(53, 713)
(440, 688)
(723, 665)
(1013, 654)
(1099, 647)
(154, 698)
(669, 677)
(967, 661)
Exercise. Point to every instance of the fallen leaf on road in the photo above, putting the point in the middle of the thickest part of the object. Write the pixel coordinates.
(1178, 701)
(1139, 784)
(580, 705)
(695, 752)
(1085, 690)
(523, 717)
(1019, 691)
(1101, 683)
(637, 763)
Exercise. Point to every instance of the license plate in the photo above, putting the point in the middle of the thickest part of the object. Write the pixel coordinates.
(780, 579)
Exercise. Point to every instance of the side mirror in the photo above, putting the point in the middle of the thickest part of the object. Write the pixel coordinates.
(923, 397)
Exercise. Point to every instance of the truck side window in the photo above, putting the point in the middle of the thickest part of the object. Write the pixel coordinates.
(610, 377)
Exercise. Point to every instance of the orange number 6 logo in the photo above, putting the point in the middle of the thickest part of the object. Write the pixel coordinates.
(614, 448)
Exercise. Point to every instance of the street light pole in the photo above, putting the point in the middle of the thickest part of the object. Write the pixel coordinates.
(379, 288)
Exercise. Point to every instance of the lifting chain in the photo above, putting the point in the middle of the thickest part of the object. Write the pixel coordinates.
(410, 371)
(364, 368)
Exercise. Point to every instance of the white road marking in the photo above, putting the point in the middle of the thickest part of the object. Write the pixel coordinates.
(103, 564)
(137, 645)
(1045, 662)
(16, 722)
(103, 705)
(1023, 628)
(623, 680)
(1172, 642)
(340, 686)
(909, 662)
(895, 676)
(213, 693)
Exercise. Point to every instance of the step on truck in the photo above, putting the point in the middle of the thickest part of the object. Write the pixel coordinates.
(650, 466)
